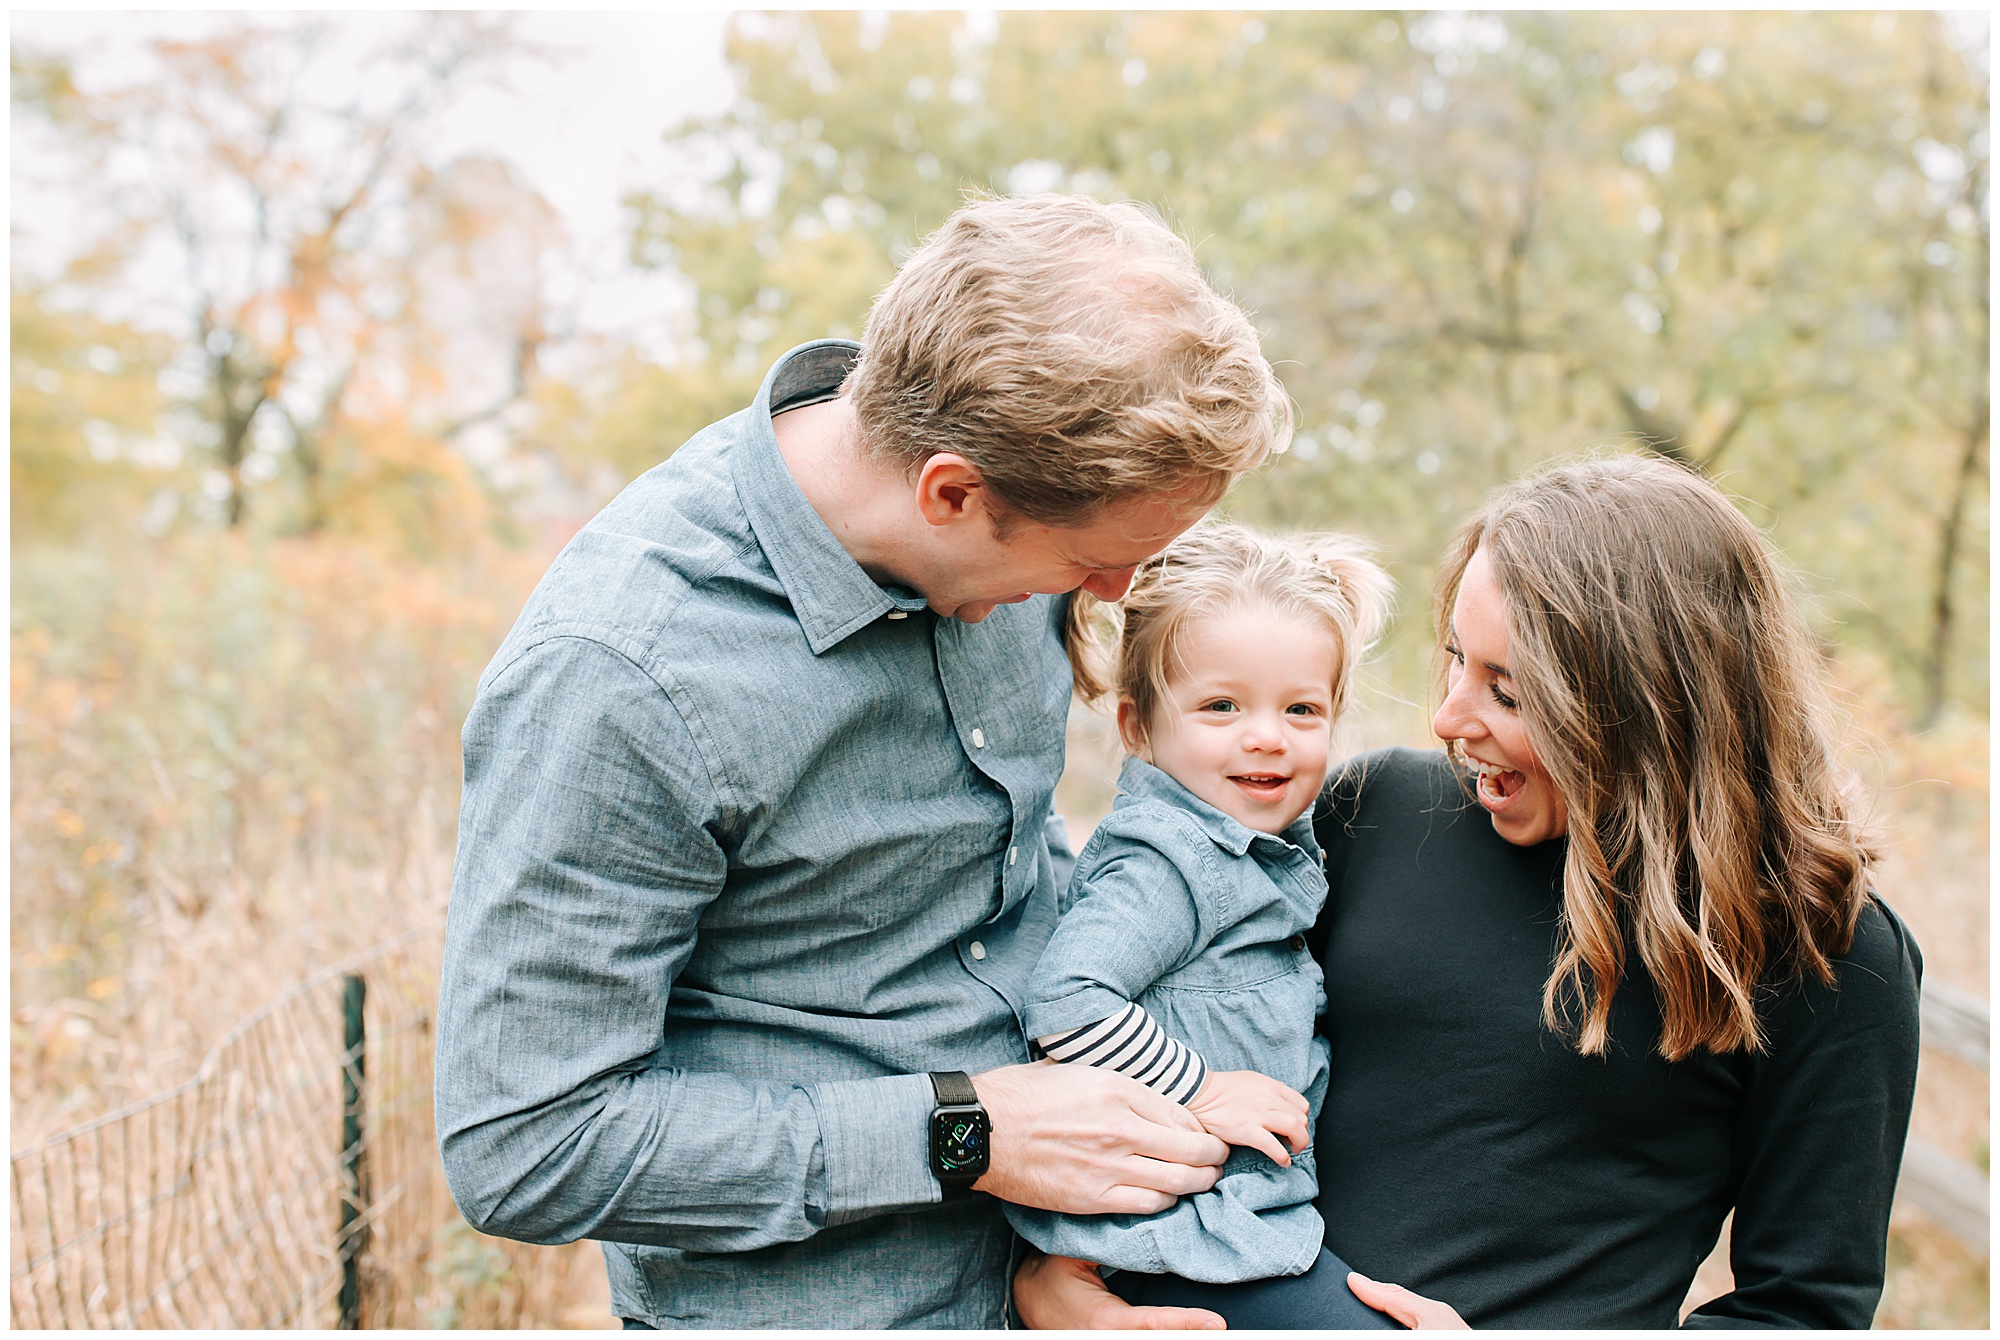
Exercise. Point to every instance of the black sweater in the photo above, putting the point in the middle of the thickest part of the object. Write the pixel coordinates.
(1471, 1155)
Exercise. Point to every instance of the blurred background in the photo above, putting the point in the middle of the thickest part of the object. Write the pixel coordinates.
(328, 331)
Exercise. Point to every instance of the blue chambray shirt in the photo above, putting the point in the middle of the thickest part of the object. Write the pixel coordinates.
(749, 844)
(1201, 919)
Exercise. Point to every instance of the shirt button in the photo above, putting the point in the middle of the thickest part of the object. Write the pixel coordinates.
(898, 614)
(978, 950)
(1297, 942)
(978, 738)
(1010, 856)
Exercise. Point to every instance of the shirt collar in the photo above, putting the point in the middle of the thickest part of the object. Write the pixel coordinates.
(1142, 781)
(831, 595)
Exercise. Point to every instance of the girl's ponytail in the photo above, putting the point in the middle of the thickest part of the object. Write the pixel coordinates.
(1091, 630)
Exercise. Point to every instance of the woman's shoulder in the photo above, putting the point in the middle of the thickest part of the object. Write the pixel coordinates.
(1398, 779)
(1875, 990)
(1883, 953)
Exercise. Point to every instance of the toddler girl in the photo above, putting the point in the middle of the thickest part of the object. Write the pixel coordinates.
(1180, 959)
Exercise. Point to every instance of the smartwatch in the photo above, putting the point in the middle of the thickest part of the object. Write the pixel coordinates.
(960, 1131)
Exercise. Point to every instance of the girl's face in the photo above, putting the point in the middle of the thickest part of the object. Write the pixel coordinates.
(1481, 713)
(1247, 721)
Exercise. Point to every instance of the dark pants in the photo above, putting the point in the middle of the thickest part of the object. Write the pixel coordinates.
(1318, 1300)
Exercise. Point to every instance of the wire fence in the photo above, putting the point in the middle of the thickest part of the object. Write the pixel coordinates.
(283, 1186)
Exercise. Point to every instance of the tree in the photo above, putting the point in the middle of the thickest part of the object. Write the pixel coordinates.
(1945, 304)
(306, 223)
(78, 382)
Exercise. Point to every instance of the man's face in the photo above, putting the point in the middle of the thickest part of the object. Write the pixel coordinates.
(1097, 556)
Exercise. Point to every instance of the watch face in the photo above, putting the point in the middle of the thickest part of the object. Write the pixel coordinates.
(958, 1141)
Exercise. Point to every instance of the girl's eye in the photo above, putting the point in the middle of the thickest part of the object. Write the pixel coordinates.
(1451, 650)
(1303, 710)
(1218, 705)
(1504, 698)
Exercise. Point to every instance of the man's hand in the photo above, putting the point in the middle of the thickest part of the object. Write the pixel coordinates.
(1413, 1310)
(1082, 1140)
(1061, 1293)
(1246, 1108)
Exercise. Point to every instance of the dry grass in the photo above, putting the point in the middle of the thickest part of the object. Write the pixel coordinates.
(1935, 1282)
(235, 762)
(482, 1283)
(231, 765)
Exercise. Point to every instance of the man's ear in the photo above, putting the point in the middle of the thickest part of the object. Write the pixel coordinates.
(950, 489)
(1131, 730)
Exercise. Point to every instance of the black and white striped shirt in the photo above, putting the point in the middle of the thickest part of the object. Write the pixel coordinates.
(1131, 1043)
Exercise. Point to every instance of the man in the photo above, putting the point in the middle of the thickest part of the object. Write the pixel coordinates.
(758, 848)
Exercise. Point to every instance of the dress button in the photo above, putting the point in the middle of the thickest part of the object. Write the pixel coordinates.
(1297, 942)
(898, 614)
(978, 738)
(977, 950)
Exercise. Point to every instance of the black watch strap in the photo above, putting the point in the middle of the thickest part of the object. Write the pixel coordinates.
(954, 1088)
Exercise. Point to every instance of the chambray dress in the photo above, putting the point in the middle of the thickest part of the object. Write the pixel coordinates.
(1202, 921)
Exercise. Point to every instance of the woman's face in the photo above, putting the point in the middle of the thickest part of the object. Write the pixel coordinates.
(1482, 713)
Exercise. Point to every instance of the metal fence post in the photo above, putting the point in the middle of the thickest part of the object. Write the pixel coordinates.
(353, 1188)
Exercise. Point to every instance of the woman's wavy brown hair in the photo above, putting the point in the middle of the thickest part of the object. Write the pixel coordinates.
(1675, 697)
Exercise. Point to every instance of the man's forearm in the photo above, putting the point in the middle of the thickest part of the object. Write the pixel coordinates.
(702, 1162)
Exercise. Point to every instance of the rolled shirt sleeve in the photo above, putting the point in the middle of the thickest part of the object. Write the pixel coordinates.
(587, 857)
(1129, 922)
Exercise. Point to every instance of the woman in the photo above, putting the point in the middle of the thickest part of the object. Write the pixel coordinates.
(1608, 968)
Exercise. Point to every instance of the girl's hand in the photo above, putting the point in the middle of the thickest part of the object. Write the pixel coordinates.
(1061, 1293)
(1413, 1310)
(1246, 1108)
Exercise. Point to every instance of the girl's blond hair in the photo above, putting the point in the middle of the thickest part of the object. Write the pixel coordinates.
(1676, 699)
(1073, 352)
(1329, 579)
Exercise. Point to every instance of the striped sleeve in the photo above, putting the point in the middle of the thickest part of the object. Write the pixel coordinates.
(1131, 1043)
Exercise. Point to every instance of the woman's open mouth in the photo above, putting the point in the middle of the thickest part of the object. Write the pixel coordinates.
(1497, 785)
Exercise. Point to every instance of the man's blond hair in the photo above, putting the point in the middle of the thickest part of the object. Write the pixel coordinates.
(1073, 353)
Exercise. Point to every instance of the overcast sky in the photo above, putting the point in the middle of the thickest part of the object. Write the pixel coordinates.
(583, 128)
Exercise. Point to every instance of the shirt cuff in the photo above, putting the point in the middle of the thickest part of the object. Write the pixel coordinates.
(1045, 1018)
(876, 1135)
